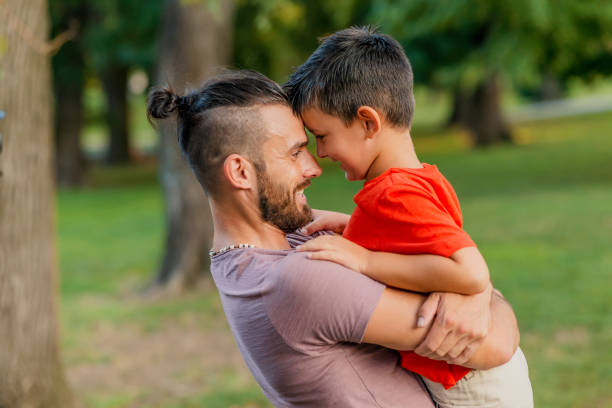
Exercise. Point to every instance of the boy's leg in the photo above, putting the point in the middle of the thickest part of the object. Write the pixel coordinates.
(506, 386)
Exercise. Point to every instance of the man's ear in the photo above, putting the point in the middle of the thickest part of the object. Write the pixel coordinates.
(370, 119)
(239, 172)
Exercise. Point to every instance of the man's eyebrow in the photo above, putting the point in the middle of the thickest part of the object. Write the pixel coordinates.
(299, 145)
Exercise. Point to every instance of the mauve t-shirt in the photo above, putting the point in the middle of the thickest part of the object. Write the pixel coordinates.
(298, 324)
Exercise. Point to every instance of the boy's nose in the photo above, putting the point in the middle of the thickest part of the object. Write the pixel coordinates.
(320, 150)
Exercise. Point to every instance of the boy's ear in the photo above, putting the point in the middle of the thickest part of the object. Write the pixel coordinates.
(370, 119)
(239, 172)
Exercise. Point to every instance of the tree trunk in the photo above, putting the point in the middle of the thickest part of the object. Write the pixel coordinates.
(69, 89)
(114, 82)
(484, 118)
(31, 374)
(71, 163)
(550, 88)
(196, 40)
(459, 110)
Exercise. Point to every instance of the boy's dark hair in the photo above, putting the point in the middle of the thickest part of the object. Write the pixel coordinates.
(218, 119)
(351, 68)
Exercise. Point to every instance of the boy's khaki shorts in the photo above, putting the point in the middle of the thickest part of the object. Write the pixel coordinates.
(506, 386)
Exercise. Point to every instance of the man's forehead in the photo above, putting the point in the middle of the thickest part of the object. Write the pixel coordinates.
(282, 126)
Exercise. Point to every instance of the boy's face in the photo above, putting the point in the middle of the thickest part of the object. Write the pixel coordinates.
(347, 145)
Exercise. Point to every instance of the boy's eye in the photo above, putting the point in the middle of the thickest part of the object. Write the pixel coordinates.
(320, 137)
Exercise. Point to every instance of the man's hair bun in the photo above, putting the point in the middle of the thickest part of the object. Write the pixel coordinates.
(162, 103)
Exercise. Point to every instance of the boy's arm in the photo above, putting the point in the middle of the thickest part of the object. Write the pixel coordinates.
(465, 272)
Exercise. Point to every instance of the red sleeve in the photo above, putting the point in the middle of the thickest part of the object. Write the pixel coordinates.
(414, 221)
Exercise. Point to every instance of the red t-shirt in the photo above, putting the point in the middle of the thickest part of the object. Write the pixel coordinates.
(411, 211)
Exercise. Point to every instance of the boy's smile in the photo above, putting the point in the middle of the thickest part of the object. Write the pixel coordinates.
(345, 144)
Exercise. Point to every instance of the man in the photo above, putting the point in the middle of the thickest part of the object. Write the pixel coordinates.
(311, 332)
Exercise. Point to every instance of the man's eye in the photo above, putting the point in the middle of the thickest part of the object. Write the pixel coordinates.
(320, 137)
(296, 154)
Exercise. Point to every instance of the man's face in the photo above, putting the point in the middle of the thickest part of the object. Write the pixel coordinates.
(288, 168)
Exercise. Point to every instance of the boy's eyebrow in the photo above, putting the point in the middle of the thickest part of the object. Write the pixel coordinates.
(313, 131)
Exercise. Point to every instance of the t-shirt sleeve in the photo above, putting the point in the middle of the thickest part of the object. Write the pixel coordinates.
(416, 222)
(318, 302)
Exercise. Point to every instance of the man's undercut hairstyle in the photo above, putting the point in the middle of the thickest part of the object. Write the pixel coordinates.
(351, 68)
(218, 119)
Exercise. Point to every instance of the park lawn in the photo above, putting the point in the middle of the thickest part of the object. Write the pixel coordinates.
(539, 211)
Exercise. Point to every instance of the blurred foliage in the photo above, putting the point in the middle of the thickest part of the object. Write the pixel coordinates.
(123, 33)
(111, 33)
(456, 44)
(275, 36)
(450, 44)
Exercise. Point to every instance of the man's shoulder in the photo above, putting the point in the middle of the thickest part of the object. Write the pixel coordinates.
(297, 268)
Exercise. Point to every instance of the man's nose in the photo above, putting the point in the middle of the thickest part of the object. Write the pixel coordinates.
(311, 167)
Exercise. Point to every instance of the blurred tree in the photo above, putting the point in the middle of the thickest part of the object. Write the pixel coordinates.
(275, 36)
(576, 43)
(472, 46)
(31, 374)
(196, 39)
(121, 36)
(69, 70)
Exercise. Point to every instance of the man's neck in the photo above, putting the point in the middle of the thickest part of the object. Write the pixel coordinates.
(396, 151)
(235, 225)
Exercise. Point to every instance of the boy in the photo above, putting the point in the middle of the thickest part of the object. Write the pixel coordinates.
(355, 95)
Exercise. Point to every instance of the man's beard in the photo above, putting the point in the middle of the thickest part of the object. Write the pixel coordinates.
(278, 205)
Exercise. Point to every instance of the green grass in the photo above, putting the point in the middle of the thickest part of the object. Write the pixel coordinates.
(539, 210)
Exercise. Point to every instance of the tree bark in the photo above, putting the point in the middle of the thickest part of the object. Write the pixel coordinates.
(196, 39)
(484, 118)
(459, 109)
(31, 374)
(114, 83)
(71, 163)
(69, 90)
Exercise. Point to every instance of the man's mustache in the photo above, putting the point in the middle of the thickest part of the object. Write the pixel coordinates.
(303, 185)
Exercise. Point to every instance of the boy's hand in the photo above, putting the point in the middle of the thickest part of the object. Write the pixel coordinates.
(337, 249)
(326, 220)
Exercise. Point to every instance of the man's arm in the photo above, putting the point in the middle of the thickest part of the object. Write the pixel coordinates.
(458, 333)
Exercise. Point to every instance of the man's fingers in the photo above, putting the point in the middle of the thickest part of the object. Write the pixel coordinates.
(427, 311)
(466, 354)
(432, 341)
(452, 346)
(458, 348)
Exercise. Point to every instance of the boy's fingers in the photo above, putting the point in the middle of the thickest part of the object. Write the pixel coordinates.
(326, 256)
(316, 244)
(309, 229)
(314, 226)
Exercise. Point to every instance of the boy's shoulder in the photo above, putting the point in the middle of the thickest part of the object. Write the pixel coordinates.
(400, 182)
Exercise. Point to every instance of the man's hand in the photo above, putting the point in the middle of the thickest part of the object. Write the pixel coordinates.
(337, 249)
(459, 327)
(326, 220)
